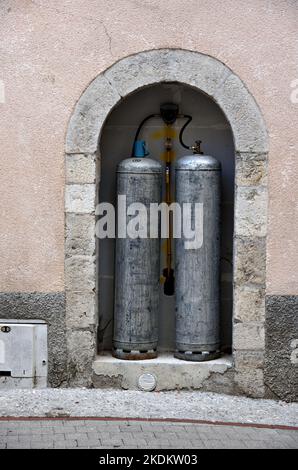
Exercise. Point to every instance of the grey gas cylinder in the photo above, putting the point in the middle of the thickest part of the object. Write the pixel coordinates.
(198, 269)
(137, 266)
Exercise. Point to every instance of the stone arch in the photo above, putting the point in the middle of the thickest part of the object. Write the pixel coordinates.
(212, 77)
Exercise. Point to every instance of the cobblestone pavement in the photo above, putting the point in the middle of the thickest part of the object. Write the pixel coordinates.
(99, 434)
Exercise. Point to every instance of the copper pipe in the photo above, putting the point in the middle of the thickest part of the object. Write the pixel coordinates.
(168, 271)
(168, 145)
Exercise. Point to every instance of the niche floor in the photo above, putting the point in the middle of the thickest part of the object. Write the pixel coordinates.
(169, 373)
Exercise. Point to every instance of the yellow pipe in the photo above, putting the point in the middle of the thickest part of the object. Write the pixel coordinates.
(168, 145)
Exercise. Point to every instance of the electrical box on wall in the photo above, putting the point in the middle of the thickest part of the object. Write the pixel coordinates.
(23, 354)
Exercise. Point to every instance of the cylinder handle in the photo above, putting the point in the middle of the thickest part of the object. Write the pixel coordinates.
(140, 149)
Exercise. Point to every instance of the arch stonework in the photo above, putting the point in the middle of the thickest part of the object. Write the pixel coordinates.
(212, 77)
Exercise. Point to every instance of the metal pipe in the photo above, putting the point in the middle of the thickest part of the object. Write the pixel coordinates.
(168, 272)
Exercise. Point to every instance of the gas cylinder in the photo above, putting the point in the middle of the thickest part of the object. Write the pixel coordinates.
(137, 262)
(197, 180)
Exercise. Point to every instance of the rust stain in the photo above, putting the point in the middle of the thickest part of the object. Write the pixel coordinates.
(164, 155)
(167, 131)
(164, 246)
(135, 356)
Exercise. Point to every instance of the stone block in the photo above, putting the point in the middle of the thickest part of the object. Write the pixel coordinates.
(250, 382)
(198, 70)
(249, 303)
(251, 212)
(80, 309)
(80, 198)
(80, 168)
(89, 115)
(81, 351)
(80, 273)
(80, 234)
(248, 360)
(243, 114)
(249, 336)
(249, 261)
(251, 169)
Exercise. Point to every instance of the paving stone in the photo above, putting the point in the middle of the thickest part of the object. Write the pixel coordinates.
(19, 445)
(77, 436)
(88, 442)
(65, 445)
(234, 444)
(41, 445)
(107, 435)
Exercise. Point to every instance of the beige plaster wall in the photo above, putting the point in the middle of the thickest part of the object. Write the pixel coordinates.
(50, 50)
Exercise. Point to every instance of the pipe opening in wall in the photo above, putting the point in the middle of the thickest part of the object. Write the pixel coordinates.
(208, 125)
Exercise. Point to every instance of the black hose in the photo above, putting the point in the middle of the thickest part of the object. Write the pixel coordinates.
(139, 129)
(189, 119)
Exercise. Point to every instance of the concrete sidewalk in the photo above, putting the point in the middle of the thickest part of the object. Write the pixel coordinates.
(209, 407)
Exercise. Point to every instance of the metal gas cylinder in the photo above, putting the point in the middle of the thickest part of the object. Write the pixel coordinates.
(198, 269)
(137, 263)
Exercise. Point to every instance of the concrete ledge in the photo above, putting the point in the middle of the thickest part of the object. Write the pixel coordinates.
(170, 373)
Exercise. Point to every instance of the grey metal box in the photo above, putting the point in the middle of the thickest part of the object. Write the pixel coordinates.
(23, 354)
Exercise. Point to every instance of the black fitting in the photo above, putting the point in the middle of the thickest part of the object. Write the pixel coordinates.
(169, 284)
(169, 113)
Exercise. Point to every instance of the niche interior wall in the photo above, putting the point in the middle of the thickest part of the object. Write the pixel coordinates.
(210, 125)
(209, 77)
